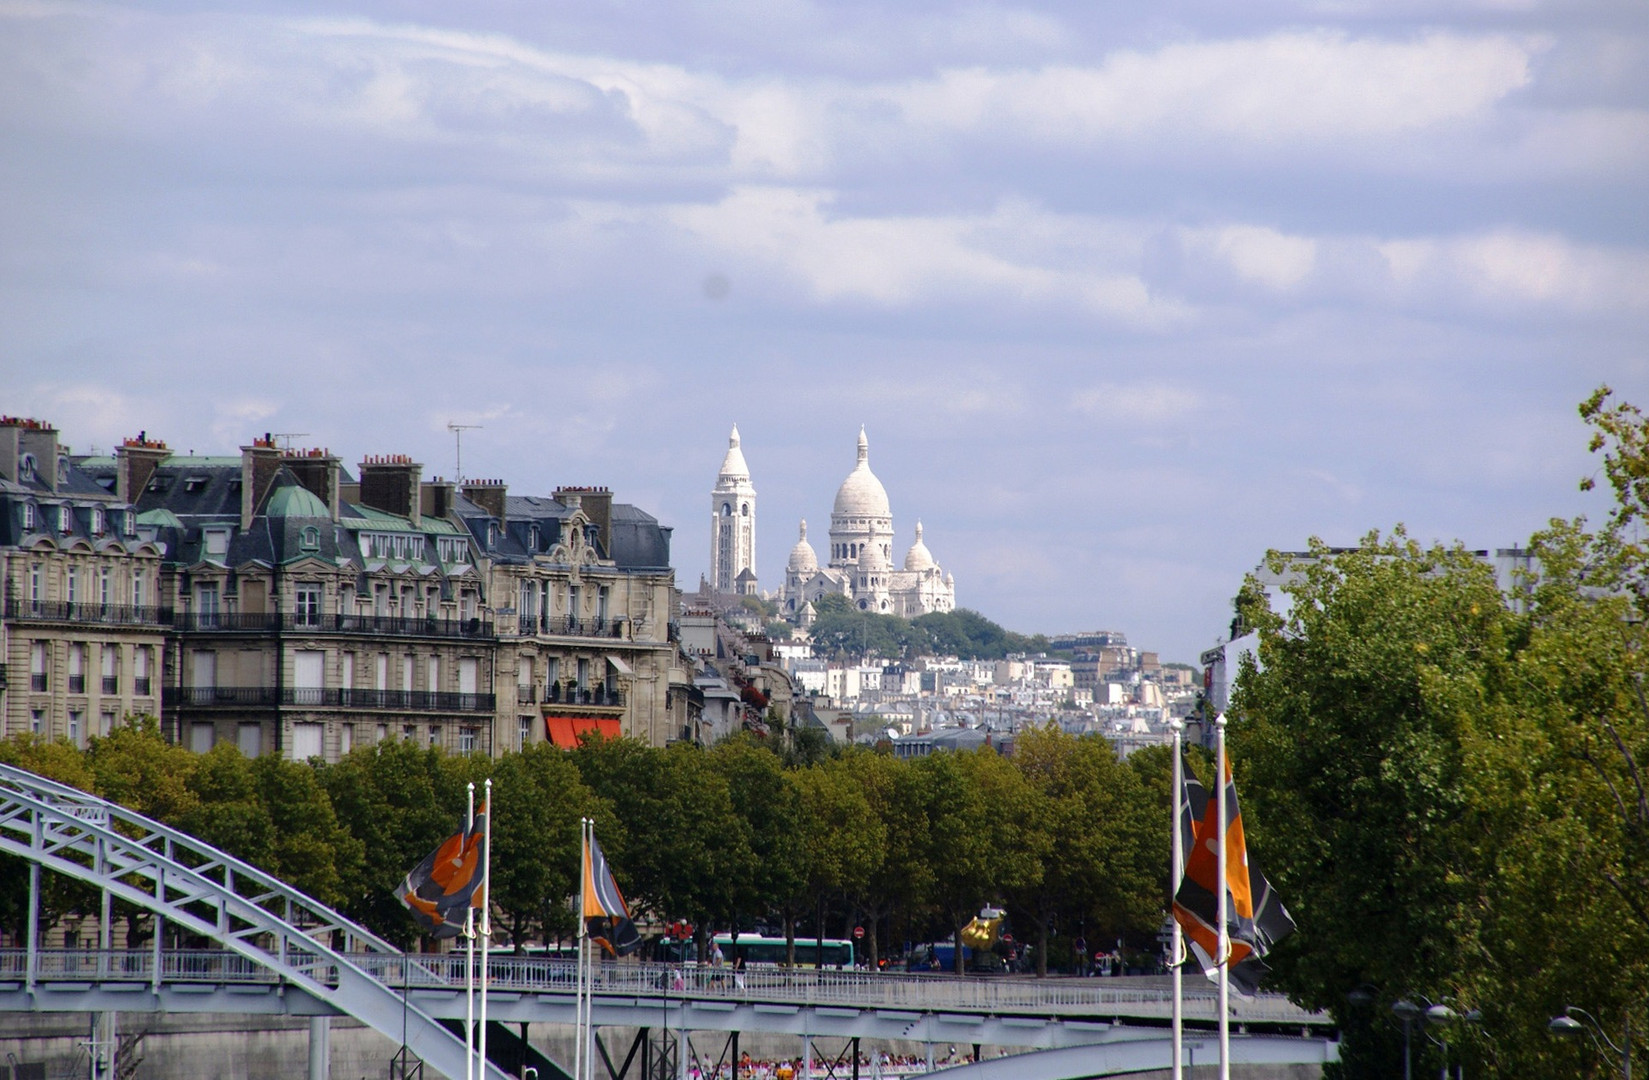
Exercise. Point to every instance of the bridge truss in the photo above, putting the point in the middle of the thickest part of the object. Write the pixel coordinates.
(191, 885)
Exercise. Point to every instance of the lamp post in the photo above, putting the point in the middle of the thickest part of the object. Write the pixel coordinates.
(1566, 1025)
(1408, 1012)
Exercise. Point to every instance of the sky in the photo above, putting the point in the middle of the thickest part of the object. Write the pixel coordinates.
(1124, 294)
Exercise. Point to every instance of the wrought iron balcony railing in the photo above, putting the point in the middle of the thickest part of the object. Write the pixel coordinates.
(82, 612)
(328, 698)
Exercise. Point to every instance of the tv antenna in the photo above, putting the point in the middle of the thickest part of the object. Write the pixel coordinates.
(289, 436)
(458, 447)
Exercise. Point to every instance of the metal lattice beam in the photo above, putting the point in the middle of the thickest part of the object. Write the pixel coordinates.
(208, 892)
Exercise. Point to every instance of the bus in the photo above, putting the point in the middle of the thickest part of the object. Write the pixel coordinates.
(770, 951)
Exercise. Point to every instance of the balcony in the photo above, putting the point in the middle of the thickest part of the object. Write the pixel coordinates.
(599, 696)
(524, 695)
(328, 698)
(570, 626)
(79, 612)
(141, 686)
(37, 681)
(325, 623)
(77, 684)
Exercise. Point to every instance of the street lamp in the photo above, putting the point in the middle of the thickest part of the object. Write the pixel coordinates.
(1566, 1025)
(1408, 1012)
(1443, 1017)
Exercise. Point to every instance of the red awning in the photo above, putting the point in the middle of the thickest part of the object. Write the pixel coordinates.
(564, 731)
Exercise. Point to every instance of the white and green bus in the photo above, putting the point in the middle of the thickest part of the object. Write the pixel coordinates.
(770, 951)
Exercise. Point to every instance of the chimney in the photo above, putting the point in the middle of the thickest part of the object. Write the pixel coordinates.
(258, 465)
(137, 460)
(597, 504)
(318, 470)
(488, 495)
(389, 482)
(11, 446)
(20, 437)
(435, 497)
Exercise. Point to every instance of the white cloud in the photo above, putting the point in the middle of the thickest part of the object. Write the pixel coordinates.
(1316, 84)
(1143, 403)
(1511, 268)
(1259, 254)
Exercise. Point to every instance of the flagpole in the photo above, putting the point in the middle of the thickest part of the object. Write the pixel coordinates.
(1177, 726)
(578, 1003)
(486, 928)
(1224, 892)
(469, 958)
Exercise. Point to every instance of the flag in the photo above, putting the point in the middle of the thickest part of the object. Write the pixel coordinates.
(441, 889)
(606, 914)
(1255, 917)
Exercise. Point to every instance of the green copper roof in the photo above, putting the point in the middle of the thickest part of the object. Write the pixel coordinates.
(296, 500)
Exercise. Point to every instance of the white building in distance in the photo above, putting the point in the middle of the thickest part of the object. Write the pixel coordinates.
(733, 524)
(861, 557)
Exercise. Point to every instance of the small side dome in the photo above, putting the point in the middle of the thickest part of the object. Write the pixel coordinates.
(919, 558)
(803, 559)
(871, 558)
(295, 500)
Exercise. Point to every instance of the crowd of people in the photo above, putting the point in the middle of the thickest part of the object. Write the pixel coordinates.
(881, 1066)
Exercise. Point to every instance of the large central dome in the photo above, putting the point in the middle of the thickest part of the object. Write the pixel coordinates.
(861, 494)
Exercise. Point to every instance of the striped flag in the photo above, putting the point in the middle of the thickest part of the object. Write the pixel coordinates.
(1255, 917)
(605, 913)
(440, 890)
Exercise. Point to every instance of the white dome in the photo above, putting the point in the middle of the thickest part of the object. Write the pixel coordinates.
(802, 558)
(861, 494)
(733, 466)
(919, 557)
(871, 559)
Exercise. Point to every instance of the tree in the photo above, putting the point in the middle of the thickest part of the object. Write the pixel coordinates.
(770, 811)
(898, 813)
(538, 799)
(843, 840)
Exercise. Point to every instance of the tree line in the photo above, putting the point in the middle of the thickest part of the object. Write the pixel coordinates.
(843, 632)
(1070, 840)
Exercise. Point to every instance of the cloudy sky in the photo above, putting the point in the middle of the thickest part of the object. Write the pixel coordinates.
(1124, 293)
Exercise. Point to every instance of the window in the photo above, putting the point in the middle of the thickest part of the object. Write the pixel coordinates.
(346, 673)
(306, 604)
(105, 589)
(308, 678)
(382, 682)
(111, 669)
(466, 740)
(307, 741)
(346, 738)
(383, 732)
(249, 738)
(27, 469)
(310, 539)
(523, 732)
(77, 667)
(37, 721)
(435, 735)
(106, 724)
(28, 517)
(206, 604)
(409, 733)
(408, 664)
(744, 509)
(432, 674)
(36, 586)
(65, 519)
(468, 668)
(726, 509)
(201, 737)
(97, 521)
(72, 593)
(601, 606)
(138, 590)
(77, 720)
(140, 671)
(583, 673)
(217, 541)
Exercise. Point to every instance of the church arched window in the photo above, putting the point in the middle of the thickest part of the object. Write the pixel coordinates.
(726, 509)
(745, 509)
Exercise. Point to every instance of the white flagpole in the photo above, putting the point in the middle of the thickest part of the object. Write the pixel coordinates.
(1225, 929)
(1177, 953)
(486, 930)
(469, 960)
(578, 1003)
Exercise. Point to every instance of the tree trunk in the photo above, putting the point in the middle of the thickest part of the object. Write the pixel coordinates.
(818, 940)
(956, 939)
(873, 956)
(789, 938)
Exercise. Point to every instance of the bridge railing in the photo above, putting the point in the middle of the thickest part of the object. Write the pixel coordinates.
(847, 989)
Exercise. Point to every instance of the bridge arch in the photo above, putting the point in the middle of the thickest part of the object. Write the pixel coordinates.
(211, 893)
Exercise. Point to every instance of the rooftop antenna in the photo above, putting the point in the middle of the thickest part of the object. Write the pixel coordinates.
(458, 447)
(289, 436)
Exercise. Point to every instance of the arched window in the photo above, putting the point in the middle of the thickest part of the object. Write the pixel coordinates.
(744, 508)
(726, 509)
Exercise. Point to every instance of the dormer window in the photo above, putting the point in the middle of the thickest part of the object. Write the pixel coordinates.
(492, 535)
(217, 541)
(97, 521)
(26, 470)
(65, 519)
(28, 517)
(532, 538)
(194, 484)
(310, 540)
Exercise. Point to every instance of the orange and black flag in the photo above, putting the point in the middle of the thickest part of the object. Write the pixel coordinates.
(605, 913)
(1255, 918)
(441, 889)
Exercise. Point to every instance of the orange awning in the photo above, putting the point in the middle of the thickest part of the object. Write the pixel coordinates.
(564, 731)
